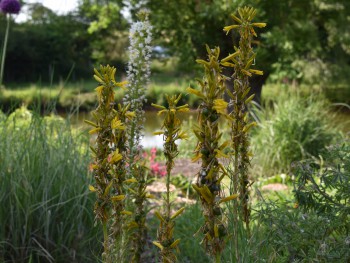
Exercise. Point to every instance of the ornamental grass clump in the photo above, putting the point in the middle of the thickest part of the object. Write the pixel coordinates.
(209, 150)
(171, 132)
(109, 166)
(138, 79)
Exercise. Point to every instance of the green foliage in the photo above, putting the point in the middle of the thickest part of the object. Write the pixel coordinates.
(296, 128)
(190, 221)
(323, 185)
(45, 210)
(47, 47)
(295, 236)
(316, 227)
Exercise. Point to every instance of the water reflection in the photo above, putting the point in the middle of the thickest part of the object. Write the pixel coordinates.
(153, 123)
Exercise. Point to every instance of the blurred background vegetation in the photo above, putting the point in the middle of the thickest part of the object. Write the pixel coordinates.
(306, 44)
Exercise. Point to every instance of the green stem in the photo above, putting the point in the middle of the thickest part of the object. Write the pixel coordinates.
(218, 258)
(4, 50)
(105, 240)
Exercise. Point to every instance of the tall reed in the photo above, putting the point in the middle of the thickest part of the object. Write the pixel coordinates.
(241, 61)
(172, 132)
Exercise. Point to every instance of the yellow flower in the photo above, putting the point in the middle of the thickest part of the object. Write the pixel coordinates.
(195, 92)
(257, 72)
(93, 131)
(99, 90)
(259, 24)
(228, 28)
(130, 114)
(91, 188)
(115, 157)
(117, 124)
(220, 106)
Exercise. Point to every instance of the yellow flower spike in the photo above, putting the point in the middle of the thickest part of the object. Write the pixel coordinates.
(130, 181)
(115, 157)
(256, 72)
(229, 198)
(92, 189)
(93, 131)
(220, 106)
(175, 243)
(260, 25)
(195, 92)
(91, 123)
(117, 198)
(159, 245)
(179, 212)
(117, 124)
(128, 213)
(228, 28)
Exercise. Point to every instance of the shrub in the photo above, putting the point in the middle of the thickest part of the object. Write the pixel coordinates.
(316, 228)
(45, 210)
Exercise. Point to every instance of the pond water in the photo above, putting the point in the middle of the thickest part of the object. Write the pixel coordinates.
(154, 122)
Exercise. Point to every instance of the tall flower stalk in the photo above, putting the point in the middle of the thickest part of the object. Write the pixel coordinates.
(209, 150)
(138, 73)
(241, 61)
(8, 7)
(109, 162)
(172, 132)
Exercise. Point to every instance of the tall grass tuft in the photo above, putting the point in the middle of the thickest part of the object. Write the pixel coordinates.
(295, 128)
(45, 205)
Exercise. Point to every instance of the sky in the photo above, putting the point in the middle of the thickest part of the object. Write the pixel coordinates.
(59, 6)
